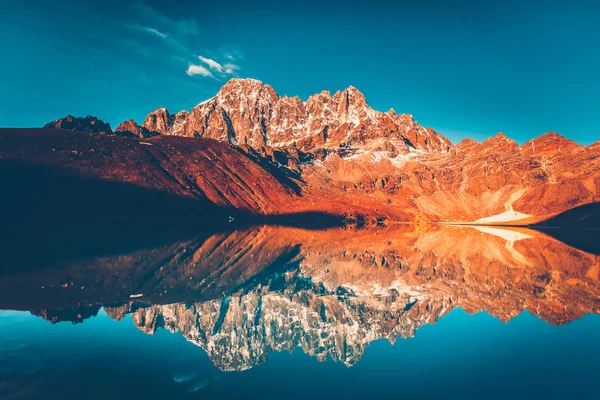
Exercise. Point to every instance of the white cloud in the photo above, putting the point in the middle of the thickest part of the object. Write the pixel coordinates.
(221, 70)
(232, 54)
(198, 70)
(212, 64)
(231, 68)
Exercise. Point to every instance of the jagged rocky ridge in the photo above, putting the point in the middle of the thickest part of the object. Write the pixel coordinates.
(86, 124)
(131, 128)
(248, 112)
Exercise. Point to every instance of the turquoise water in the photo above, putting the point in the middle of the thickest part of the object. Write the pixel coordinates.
(278, 312)
(461, 356)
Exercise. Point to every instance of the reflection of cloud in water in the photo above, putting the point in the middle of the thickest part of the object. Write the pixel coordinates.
(183, 378)
(198, 386)
(190, 381)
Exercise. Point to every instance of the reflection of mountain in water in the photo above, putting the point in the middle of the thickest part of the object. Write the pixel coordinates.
(245, 294)
(240, 331)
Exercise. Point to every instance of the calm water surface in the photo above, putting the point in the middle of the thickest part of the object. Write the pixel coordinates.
(272, 312)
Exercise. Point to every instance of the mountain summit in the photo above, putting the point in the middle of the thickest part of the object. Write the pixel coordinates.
(249, 112)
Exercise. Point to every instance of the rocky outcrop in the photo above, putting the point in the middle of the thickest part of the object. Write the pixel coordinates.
(133, 129)
(549, 144)
(87, 124)
(91, 124)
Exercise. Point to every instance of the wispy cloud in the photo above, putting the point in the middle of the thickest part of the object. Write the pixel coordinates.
(232, 54)
(179, 27)
(231, 68)
(179, 34)
(149, 30)
(198, 70)
(180, 37)
(212, 64)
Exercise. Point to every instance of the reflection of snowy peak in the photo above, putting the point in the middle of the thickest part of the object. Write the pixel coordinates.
(239, 331)
(243, 294)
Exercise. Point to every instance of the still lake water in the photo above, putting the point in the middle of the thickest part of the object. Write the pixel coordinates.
(273, 312)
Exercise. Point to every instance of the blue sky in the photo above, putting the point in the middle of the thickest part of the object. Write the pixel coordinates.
(465, 68)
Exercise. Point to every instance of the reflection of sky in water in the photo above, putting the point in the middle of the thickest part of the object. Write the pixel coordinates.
(461, 355)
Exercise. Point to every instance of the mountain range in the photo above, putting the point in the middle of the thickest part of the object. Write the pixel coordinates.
(249, 149)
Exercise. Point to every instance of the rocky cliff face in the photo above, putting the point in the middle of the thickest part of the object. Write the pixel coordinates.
(249, 112)
(132, 129)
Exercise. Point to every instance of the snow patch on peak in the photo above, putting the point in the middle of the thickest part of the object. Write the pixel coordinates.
(160, 110)
(206, 101)
(251, 81)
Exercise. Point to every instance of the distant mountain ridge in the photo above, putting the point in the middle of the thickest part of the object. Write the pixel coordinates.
(351, 160)
(86, 124)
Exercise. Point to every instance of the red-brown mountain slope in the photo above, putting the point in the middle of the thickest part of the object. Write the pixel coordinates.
(202, 169)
